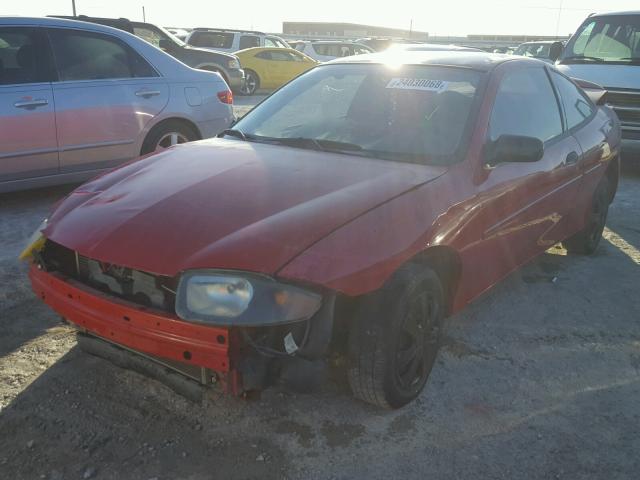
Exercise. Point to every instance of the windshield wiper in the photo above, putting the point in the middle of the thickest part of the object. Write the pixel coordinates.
(320, 144)
(232, 132)
(300, 142)
(631, 59)
(582, 57)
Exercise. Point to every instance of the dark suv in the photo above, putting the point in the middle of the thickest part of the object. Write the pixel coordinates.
(225, 64)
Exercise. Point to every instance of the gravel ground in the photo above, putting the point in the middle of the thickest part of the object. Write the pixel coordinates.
(540, 378)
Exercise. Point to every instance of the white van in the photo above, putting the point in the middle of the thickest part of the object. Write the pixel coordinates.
(326, 50)
(606, 50)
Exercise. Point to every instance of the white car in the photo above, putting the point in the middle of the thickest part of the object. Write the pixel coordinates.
(78, 98)
(323, 51)
(222, 40)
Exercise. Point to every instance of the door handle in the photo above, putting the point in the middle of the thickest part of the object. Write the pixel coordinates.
(571, 159)
(147, 93)
(30, 104)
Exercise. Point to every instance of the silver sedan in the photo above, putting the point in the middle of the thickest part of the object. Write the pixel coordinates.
(77, 99)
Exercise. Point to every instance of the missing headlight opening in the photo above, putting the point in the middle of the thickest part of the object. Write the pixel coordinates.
(141, 288)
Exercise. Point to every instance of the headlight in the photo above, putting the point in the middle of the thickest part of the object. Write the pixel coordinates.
(233, 63)
(238, 299)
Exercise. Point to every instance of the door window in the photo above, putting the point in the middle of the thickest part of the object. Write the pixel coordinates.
(526, 105)
(270, 43)
(249, 41)
(91, 56)
(265, 55)
(283, 56)
(576, 106)
(19, 52)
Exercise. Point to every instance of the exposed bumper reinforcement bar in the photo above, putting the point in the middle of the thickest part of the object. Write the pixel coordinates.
(199, 348)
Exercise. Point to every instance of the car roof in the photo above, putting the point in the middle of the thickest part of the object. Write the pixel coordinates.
(611, 14)
(463, 59)
(227, 30)
(57, 22)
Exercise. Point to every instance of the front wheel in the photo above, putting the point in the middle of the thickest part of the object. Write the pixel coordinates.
(395, 338)
(586, 241)
(251, 83)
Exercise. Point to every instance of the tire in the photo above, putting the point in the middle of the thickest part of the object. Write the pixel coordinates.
(395, 336)
(251, 82)
(586, 241)
(167, 134)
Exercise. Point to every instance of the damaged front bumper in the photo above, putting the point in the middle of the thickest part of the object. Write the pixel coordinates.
(207, 349)
(235, 360)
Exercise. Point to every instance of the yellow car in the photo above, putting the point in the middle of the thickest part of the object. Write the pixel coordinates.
(271, 67)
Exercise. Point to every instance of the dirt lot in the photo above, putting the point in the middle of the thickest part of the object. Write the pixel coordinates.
(540, 378)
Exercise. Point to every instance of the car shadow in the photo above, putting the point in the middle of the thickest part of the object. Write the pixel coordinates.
(21, 318)
(84, 417)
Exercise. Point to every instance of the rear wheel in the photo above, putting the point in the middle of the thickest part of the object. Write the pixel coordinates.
(586, 241)
(395, 337)
(166, 135)
(251, 82)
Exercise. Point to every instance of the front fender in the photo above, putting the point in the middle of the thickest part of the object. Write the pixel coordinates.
(359, 257)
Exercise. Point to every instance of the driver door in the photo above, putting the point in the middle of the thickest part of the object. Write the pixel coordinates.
(522, 209)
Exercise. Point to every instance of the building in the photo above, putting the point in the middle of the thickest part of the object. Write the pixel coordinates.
(347, 30)
(310, 30)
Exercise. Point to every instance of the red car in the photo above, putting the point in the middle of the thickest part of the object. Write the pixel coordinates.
(350, 212)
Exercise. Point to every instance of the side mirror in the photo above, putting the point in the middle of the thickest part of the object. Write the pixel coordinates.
(513, 148)
(555, 50)
(165, 44)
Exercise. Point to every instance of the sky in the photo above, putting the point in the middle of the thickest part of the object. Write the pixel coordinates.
(449, 17)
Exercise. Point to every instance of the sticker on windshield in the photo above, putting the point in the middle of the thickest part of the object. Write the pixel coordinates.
(418, 84)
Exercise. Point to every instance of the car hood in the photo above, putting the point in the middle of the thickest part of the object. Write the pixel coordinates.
(226, 204)
(608, 76)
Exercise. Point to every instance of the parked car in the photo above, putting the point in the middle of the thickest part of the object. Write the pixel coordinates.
(225, 64)
(605, 50)
(78, 98)
(379, 44)
(540, 50)
(326, 50)
(179, 33)
(349, 213)
(430, 47)
(222, 40)
(270, 68)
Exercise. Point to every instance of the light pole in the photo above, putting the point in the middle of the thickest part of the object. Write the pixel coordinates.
(144, 15)
(558, 22)
(73, 5)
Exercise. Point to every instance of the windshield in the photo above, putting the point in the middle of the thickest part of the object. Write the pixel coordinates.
(614, 38)
(415, 113)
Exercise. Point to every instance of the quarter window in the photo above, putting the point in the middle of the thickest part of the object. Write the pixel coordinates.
(19, 56)
(149, 35)
(249, 41)
(90, 56)
(526, 105)
(577, 108)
